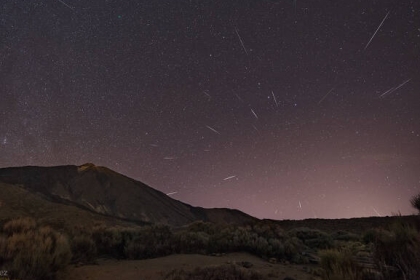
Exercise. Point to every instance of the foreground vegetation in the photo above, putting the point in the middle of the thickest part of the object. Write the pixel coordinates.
(29, 250)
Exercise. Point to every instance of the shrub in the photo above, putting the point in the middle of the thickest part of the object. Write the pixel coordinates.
(222, 241)
(31, 252)
(241, 239)
(370, 236)
(110, 241)
(292, 248)
(264, 241)
(339, 265)
(260, 246)
(83, 249)
(415, 202)
(313, 238)
(149, 242)
(190, 242)
(83, 245)
(345, 236)
(398, 248)
(268, 230)
(3, 249)
(277, 249)
(20, 225)
(201, 226)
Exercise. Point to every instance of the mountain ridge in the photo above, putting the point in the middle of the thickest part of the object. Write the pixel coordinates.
(106, 192)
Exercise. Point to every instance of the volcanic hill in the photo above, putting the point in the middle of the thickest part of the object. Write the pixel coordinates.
(100, 190)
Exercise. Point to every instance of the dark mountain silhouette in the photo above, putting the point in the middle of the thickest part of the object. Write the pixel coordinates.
(17, 202)
(106, 192)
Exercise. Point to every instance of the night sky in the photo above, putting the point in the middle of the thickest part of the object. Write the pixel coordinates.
(282, 109)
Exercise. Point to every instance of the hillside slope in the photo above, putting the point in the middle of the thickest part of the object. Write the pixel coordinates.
(16, 202)
(106, 192)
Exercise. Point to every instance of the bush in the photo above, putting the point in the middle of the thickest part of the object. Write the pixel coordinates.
(415, 202)
(222, 241)
(370, 236)
(110, 241)
(225, 272)
(264, 241)
(31, 252)
(277, 249)
(339, 265)
(292, 248)
(149, 242)
(398, 248)
(200, 226)
(83, 249)
(268, 230)
(190, 242)
(345, 236)
(20, 225)
(313, 238)
(82, 244)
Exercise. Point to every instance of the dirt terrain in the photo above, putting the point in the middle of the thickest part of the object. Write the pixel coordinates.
(156, 269)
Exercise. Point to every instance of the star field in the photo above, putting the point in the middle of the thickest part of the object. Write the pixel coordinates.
(281, 109)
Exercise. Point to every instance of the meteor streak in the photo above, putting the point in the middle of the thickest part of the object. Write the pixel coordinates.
(65, 4)
(325, 96)
(254, 114)
(240, 40)
(391, 90)
(274, 97)
(367, 45)
(212, 129)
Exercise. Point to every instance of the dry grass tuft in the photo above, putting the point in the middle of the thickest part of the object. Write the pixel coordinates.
(30, 252)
